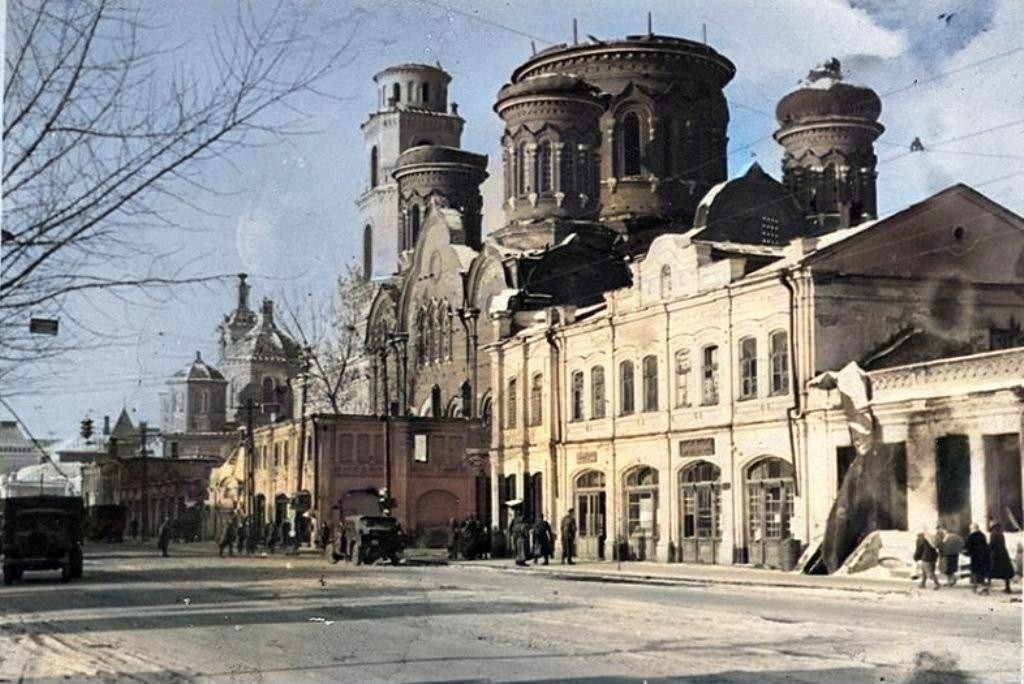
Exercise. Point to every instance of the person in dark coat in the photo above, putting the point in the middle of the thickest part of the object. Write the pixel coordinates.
(133, 528)
(926, 554)
(453, 539)
(543, 539)
(568, 530)
(1001, 565)
(950, 546)
(977, 550)
(228, 537)
(163, 537)
(240, 534)
(519, 534)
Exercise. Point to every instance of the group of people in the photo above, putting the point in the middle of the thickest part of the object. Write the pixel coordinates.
(246, 534)
(537, 541)
(469, 539)
(989, 557)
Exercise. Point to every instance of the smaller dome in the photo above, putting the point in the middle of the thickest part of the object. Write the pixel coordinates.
(439, 154)
(199, 370)
(840, 99)
(548, 84)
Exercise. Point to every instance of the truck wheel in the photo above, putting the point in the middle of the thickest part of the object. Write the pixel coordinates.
(75, 561)
(10, 575)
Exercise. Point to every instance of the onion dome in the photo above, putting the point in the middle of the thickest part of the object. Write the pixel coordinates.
(438, 154)
(824, 95)
(199, 370)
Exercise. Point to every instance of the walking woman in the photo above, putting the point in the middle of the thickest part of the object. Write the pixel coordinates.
(978, 551)
(1002, 566)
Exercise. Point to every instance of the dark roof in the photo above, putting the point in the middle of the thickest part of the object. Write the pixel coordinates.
(439, 154)
(840, 99)
(199, 370)
(549, 84)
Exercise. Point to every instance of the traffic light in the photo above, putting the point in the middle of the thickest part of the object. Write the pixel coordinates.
(87, 428)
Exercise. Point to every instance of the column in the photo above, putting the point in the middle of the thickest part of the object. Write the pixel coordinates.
(979, 506)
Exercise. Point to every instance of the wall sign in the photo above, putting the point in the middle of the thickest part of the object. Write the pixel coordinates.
(697, 447)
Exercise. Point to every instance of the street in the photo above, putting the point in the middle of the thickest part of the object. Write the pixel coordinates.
(196, 617)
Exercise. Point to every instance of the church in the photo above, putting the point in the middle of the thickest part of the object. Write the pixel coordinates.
(638, 338)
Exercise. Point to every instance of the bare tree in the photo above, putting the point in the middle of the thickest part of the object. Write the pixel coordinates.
(332, 334)
(106, 134)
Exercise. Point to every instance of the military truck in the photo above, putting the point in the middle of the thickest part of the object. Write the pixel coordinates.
(107, 522)
(41, 533)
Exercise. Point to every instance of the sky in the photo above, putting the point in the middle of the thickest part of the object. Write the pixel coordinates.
(950, 72)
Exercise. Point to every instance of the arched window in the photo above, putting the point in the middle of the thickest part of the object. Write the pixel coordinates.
(396, 94)
(709, 375)
(520, 164)
(590, 508)
(770, 490)
(666, 281)
(367, 252)
(576, 407)
(435, 402)
(748, 368)
(626, 391)
(425, 93)
(204, 401)
(512, 399)
(431, 336)
(449, 333)
(630, 145)
(682, 359)
(543, 171)
(410, 91)
(444, 332)
(466, 399)
(536, 400)
(421, 337)
(374, 179)
(778, 349)
(268, 396)
(641, 501)
(650, 368)
(567, 168)
(414, 225)
(700, 504)
(597, 392)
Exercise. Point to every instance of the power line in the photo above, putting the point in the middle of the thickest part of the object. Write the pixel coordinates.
(495, 24)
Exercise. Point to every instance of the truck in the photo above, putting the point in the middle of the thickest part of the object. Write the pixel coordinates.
(41, 533)
(107, 522)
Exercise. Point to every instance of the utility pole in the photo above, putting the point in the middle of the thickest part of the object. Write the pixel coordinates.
(301, 451)
(145, 480)
(383, 351)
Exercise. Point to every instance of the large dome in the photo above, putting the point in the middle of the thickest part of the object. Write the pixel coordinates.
(548, 84)
(199, 370)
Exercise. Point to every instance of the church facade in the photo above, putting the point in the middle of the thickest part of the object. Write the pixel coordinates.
(638, 336)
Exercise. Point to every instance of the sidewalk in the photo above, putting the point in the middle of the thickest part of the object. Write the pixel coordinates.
(696, 575)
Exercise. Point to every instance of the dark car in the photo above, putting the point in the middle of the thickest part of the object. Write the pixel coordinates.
(41, 533)
(372, 538)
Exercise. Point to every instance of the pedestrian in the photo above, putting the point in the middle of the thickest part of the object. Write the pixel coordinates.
(543, 539)
(568, 530)
(133, 528)
(1001, 567)
(926, 554)
(1020, 560)
(252, 537)
(228, 537)
(273, 537)
(977, 550)
(325, 538)
(240, 534)
(163, 537)
(950, 546)
(453, 540)
(518, 533)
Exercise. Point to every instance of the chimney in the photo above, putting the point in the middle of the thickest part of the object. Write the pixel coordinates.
(106, 425)
(243, 292)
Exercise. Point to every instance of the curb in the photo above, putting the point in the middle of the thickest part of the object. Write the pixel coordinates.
(659, 580)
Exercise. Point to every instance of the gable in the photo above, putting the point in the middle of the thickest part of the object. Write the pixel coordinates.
(958, 233)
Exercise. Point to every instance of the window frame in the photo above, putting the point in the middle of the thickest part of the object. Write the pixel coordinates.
(649, 368)
(778, 362)
(598, 393)
(747, 348)
(710, 380)
(627, 388)
(536, 416)
(511, 399)
(576, 396)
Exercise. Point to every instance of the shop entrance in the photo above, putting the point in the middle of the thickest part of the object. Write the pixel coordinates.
(770, 489)
(953, 482)
(590, 514)
(641, 497)
(700, 505)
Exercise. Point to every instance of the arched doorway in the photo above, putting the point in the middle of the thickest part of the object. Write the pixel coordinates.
(641, 499)
(700, 505)
(434, 512)
(770, 490)
(280, 509)
(590, 501)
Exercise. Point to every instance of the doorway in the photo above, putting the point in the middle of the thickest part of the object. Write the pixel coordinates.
(1003, 480)
(953, 482)
(770, 490)
(700, 505)
(591, 504)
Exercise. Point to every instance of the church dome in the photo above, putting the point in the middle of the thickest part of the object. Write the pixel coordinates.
(825, 95)
(439, 154)
(199, 370)
(548, 84)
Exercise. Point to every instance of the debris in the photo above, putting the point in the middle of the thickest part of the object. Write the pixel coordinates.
(316, 619)
(323, 582)
(916, 145)
(238, 628)
(187, 601)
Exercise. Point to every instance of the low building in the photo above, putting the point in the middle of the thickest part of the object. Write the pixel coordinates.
(429, 466)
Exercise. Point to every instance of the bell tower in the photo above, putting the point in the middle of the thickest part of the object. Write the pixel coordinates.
(412, 109)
